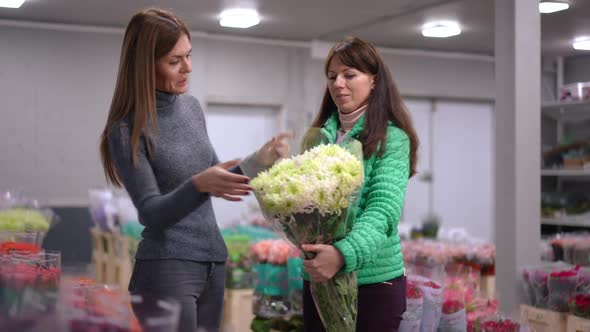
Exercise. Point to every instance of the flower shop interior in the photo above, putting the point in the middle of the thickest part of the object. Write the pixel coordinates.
(498, 212)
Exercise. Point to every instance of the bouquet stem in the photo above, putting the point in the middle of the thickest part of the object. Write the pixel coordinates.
(336, 302)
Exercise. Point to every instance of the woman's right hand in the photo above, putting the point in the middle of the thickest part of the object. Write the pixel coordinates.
(218, 181)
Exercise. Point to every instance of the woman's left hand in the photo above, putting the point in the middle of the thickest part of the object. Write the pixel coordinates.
(327, 262)
(276, 148)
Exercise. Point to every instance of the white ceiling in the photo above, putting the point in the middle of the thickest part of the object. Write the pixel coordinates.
(386, 23)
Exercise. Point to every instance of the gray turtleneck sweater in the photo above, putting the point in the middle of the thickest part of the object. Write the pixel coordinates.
(179, 221)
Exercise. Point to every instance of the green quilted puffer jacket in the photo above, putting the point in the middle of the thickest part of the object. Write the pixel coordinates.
(373, 246)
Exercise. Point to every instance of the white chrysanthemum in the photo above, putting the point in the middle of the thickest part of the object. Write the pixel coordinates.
(322, 178)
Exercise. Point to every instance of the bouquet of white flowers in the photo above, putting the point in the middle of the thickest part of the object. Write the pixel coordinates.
(313, 198)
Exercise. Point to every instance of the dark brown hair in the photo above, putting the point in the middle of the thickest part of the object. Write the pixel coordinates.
(150, 35)
(384, 104)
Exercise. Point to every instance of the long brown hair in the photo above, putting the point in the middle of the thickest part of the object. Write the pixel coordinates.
(150, 34)
(384, 104)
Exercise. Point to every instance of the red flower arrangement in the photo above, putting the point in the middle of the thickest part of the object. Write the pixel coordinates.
(502, 325)
(561, 285)
(41, 277)
(564, 274)
(580, 305)
(432, 284)
(454, 316)
(413, 291)
(92, 307)
(25, 248)
(451, 306)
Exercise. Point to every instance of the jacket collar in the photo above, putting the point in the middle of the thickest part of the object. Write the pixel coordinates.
(330, 128)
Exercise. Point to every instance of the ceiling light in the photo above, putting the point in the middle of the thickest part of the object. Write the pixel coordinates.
(11, 3)
(239, 18)
(548, 7)
(442, 29)
(582, 43)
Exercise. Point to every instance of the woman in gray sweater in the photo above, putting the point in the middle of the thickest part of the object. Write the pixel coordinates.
(155, 144)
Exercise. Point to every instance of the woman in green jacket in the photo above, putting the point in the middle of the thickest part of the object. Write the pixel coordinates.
(363, 102)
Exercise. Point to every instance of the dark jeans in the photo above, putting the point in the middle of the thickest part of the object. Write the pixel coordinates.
(198, 286)
(380, 307)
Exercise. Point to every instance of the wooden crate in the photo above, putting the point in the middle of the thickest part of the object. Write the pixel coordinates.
(577, 324)
(576, 163)
(110, 256)
(237, 310)
(542, 320)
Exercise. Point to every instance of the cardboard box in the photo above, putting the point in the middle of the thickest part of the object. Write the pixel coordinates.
(237, 310)
(577, 324)
(542, 320)
(574, 163)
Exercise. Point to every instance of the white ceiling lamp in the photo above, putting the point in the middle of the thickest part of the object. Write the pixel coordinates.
(11, 3)
(582, 43)
(548, 7)
(441, 29)
(239, 18)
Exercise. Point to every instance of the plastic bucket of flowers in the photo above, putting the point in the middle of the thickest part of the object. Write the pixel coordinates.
(29, 283)
(412, 318)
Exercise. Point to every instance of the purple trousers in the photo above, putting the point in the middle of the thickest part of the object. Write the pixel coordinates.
(380, 307)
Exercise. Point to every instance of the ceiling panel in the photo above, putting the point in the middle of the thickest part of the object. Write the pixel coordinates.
(387, 23)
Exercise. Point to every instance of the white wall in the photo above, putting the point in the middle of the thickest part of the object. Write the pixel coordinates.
(236, 130)
(418, 202)
(423, 76)
(463, 145)
(456, 144)
(249, 72)
(56, 86)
